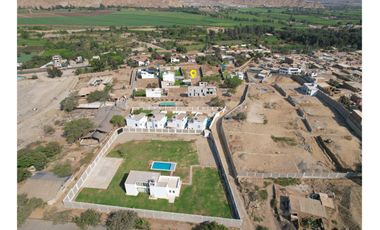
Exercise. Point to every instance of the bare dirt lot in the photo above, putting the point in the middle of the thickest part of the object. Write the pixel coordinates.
(273, 138)
(38, 104)
(328, 124)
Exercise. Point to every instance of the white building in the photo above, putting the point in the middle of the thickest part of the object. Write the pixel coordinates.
(174, 60)
(199, 122)
(202, 90)
(289, 71)
(178, 121)
(146, 73)
(157, 121)
(153, 92)
(309, 88)
(158, 187)
(168, 76)
(137, 121)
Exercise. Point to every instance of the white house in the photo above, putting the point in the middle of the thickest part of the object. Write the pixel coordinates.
(157, 121)
(289, 71)
(158, 187)
(174, 60)
(202, 90)
(168, 76)
(146, 73)
(153, 92)
(199, 122)
(137, 121)
(178, 121)
(309, 88)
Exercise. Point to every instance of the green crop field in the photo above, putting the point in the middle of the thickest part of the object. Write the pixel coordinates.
(129, 17)
(204, 197)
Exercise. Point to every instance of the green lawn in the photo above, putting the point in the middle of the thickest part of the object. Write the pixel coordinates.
(205, 196)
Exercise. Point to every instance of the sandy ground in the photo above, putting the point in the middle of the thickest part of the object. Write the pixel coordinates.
(270, 115)
(328, 124)
(38, 104)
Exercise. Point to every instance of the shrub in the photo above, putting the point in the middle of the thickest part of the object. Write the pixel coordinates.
(57, 217)
(240, 116)
(76, 129)
(87, 218)
(63, 170)
(216, 101)
(54, 72)
(259, 227)
(22, 174)
(49, 130)
(118, 120)
(210, 226)
(287, 181)
(36, 159)
(34, 77)
(69, 103)
(232, 82)
(125, 219)
(263, 194)
(98, 96)
(287, 140)
(25, 207)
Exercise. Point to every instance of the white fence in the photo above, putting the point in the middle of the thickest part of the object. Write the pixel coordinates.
(311, 175)
(161, 131)
(69, 200)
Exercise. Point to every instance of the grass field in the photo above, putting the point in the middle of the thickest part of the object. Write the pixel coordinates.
(206, 188)
(129, 17)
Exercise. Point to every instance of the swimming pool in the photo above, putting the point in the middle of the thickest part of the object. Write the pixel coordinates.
(163, 166)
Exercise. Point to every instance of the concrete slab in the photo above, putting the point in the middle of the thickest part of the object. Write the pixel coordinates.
(103, 173)
(42, 185)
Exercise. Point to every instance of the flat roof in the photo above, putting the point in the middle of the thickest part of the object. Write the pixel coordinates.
(141, 176)
(168, 181)
(307, 206)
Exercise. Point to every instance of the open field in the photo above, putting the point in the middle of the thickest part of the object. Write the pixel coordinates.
(273, 138)
(328, 124)
(206, 185)
(129, 17)
(277, 17)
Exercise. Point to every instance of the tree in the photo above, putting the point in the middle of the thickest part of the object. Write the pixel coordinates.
(22, 174)
(232, 82)
(54, 72)
(216, 101)
(118, 120)
(76, 129)
(87, 218)
(98, 65)
(63, 170)
(124, 220)
(99, 95)
(34, 158)
(69, 103)
(210, 226)
(25, 207)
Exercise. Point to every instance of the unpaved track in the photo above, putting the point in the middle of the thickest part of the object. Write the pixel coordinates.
(44, 95)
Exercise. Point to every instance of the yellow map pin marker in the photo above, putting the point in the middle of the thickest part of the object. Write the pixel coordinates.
(193, 73)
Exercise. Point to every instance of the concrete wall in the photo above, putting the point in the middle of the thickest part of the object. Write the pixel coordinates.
(342, 111)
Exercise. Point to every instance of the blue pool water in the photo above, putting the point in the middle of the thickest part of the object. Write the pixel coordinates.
(163, 166)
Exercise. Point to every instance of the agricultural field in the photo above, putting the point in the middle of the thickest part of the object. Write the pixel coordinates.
(277, 17)
(206, 185)
(125, 17)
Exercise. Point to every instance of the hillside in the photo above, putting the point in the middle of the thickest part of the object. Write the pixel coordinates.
(168, 3)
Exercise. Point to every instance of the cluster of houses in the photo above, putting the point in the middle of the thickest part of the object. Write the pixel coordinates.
(58, 62)
(160, 120)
